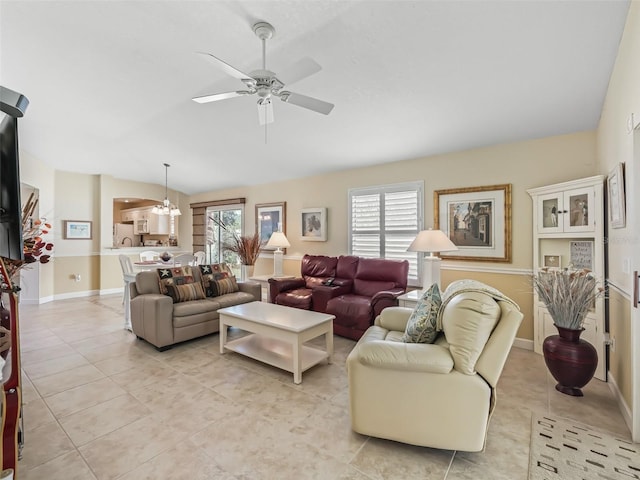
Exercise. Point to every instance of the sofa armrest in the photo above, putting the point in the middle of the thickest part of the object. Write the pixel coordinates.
(277, 286)
(343, 282)
(152, 318)
(414, 357)
(384, 299)
(321, 294)
(254, 288)
(394, 318)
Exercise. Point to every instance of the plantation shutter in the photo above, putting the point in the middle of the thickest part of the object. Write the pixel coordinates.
(384, 221)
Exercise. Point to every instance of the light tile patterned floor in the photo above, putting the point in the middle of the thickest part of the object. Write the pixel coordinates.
(100, 404)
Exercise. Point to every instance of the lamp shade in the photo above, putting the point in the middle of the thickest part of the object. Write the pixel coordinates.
(431, 241)
(278, 240)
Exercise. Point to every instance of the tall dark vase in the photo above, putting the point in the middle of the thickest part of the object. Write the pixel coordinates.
(571, 361)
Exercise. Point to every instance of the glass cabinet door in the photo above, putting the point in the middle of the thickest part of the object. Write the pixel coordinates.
(568, 211)
(550, 215)
(579, 210)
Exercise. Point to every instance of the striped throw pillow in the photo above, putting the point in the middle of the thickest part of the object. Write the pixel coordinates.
(186, 292)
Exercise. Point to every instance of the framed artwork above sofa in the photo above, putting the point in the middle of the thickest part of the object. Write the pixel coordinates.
(313, 224)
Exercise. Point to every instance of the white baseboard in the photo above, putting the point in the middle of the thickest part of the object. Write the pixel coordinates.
(523, 343)
(624, 408)
(66, 296)
(37, 301)
(86, 293)
(111, 291)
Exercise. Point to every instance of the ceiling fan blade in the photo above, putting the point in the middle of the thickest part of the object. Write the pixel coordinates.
(307, 102)
(228, 69)
(303, 68)
(265, 112)
(219, 96)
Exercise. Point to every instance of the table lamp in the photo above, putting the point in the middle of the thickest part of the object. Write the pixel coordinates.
(431, 241)
(279, 241)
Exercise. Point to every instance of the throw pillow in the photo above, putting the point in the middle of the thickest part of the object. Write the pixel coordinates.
(185, 293)
(174, 276)
(421, 326)
(223, 286)
(212, 275)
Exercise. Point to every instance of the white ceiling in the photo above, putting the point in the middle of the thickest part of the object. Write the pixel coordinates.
(110, 83)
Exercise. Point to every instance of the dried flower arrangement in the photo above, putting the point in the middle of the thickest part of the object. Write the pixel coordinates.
(568, 295)
(35, 248)
(246, 247)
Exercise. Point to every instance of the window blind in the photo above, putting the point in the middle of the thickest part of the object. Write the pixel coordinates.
(384, 220)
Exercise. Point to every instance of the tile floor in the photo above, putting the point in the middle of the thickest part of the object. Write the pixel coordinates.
(100, 404)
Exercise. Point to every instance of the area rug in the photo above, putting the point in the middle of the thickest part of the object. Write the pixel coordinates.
(564, 450)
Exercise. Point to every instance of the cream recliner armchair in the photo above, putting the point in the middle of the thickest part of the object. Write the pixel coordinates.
(437, 395)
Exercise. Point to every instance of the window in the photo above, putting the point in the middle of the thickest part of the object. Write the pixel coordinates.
(384, 220)
(221, 223)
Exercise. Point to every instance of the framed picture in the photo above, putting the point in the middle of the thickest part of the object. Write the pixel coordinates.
(313, 223)
(615, 188)
(270, 217)
(552, 261)
(77, 230)
(477, 220)
(581, 254)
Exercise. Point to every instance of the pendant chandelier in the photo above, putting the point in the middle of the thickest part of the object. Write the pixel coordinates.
(166, 208)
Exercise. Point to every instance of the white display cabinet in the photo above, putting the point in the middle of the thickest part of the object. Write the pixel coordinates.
(568, 230)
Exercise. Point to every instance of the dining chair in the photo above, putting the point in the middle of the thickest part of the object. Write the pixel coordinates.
(200, 257)
(184, 259)
(148, 256)
(127, 267)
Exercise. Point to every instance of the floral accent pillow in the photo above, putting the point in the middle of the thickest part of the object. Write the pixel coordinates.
(421, 326)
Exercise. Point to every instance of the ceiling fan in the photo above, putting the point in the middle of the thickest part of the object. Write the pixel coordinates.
(265, 84)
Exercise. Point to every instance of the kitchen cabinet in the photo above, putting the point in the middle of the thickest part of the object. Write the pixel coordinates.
(128, 215)
(158, 224)
(568, 230)
(147, 223)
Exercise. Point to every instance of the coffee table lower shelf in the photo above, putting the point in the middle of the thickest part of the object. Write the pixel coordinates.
(274, 352)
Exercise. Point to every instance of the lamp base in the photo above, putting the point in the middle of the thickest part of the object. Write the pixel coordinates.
(277, 263)
(431, 272)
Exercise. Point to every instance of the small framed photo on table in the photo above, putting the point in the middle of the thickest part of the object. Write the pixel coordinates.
(77, 230)
(552, 261)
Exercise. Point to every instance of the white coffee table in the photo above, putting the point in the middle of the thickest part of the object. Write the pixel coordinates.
(278, 335)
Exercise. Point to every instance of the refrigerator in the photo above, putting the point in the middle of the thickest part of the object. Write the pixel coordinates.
(123, 236)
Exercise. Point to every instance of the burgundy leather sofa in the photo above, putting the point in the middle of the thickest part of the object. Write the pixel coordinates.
(360, 289)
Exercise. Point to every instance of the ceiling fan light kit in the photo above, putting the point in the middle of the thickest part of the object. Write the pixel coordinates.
(265, 84)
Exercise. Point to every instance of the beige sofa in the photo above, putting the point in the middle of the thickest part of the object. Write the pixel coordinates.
(437, 395)
(159, 321)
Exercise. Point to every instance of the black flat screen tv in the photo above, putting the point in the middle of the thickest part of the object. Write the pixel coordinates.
(10, 204)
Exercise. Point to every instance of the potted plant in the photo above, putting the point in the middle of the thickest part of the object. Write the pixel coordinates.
(568, 294)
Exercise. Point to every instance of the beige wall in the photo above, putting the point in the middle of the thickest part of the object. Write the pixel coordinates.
(615, 144)
(525, 165)
(620, 356)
